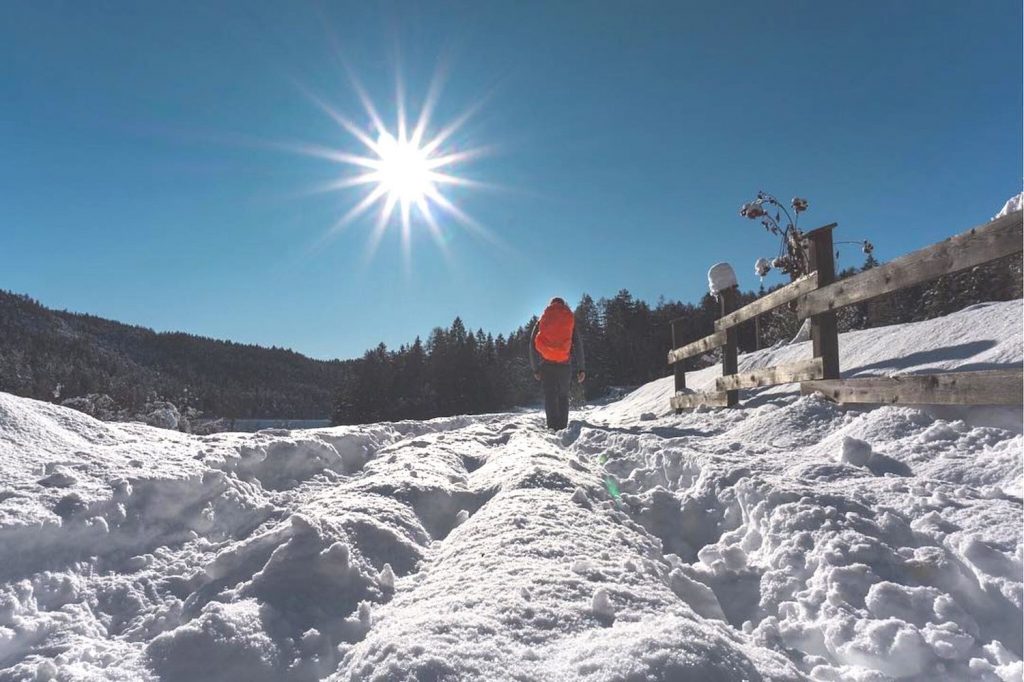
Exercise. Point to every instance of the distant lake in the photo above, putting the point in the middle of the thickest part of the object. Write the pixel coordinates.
(251, 425)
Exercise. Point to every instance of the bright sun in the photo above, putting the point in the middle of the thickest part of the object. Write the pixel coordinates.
(406, 171)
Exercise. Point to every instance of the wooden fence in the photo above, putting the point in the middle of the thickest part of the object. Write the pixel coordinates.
(818, 295)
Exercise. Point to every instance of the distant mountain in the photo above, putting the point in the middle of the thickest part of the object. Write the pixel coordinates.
(53, 355)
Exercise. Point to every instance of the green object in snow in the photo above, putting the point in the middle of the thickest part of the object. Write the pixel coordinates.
(612, 486)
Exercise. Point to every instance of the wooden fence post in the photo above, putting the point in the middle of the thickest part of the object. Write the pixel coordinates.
(824, 332)
(679, 367)
(728, 301)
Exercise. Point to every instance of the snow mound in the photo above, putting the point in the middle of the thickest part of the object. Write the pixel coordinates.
(721, 276)
(788, 539)
(1012, 204)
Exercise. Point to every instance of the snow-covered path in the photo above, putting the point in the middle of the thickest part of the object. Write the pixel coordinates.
(790, 538)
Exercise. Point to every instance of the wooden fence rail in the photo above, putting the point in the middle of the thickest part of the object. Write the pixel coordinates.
(982, 387)
(688, 401)
(699, 347)
(772, 376)
(770, 302)
(977, 246)
(818, 295)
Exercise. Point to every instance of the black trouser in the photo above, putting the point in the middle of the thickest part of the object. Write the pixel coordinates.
(556, 378)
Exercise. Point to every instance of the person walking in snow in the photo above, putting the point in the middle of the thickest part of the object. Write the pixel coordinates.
(554, 346)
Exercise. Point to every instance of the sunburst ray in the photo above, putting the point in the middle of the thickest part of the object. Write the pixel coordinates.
(408, 168)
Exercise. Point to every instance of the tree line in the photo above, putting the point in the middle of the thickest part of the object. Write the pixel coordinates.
(458, 371)
(54, 355)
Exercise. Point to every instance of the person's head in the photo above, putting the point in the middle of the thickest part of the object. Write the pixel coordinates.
(558, 300)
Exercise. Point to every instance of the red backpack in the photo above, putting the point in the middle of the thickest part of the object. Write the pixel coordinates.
(554, 333)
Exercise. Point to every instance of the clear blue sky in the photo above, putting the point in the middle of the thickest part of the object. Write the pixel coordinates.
(133, 184)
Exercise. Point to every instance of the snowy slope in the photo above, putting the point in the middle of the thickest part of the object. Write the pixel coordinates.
(985, 336)
(1012, 204)
(787, 539)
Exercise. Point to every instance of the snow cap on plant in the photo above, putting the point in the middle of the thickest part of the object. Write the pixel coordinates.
(783, 224)
(752, 210)
(762, 267)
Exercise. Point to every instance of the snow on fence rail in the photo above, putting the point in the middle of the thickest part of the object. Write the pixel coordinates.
(818, 295)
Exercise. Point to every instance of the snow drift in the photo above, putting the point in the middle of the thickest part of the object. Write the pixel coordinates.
(1012, 204)
(789, 539)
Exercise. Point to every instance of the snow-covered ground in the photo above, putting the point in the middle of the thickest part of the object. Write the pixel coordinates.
(786, 539)
(1012, 204)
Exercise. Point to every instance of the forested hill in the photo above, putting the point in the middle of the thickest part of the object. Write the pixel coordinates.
(52, 355)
